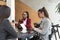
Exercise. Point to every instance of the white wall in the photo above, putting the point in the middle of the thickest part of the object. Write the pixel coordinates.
(11, 4)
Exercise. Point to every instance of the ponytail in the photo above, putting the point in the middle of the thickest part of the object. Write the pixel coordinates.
(45, 12)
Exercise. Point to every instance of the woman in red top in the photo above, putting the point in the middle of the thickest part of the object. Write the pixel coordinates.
(26, 20)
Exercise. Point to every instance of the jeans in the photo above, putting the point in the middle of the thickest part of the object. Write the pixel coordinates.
(27, 35)
(23, 36)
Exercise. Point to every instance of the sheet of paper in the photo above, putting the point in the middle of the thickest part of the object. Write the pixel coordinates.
(24, 28)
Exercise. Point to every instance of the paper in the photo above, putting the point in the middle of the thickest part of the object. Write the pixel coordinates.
(24, 28)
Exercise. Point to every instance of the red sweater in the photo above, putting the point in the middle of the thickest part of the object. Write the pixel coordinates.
(28, 23)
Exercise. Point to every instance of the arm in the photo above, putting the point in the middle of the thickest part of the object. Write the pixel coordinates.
(9, 29)
(45, 28)
(18, 24)
(28, 25)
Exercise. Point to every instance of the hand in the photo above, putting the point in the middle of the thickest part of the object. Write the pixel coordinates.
(33, 27)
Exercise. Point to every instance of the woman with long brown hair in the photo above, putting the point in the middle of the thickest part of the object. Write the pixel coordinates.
(27, 28)
(45, 24)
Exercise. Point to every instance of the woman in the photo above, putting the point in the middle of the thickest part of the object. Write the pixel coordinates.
(6, 30)
(45, 24)
(27, 22)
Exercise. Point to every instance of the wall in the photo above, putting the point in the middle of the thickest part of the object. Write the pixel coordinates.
(2, 2)
(50, 6)
(21, 7)
(11, 4)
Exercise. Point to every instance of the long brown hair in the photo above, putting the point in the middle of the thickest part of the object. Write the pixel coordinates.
(27, 13)
(45, 12)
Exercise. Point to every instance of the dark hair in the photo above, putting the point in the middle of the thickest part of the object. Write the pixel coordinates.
(4, 11)
(27, 13)
(45, 12)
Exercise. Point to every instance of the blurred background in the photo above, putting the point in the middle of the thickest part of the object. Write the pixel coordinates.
(33, 5)
(19, 6)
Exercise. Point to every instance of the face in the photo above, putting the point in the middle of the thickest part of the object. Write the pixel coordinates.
(41, 14)
(24, 15)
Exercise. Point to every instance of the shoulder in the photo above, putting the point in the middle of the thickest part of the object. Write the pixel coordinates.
(46, 20)
(28, 19)
(5, 21)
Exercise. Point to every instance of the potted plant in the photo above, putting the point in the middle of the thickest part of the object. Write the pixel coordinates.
(58, 8)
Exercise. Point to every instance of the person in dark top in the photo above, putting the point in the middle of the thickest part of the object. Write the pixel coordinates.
(6, 30)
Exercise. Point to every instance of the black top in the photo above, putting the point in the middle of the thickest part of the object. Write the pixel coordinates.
(6, 30)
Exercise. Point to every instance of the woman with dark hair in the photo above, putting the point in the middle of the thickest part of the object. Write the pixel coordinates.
(6, 30)
(45, 24)
(27, 22)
